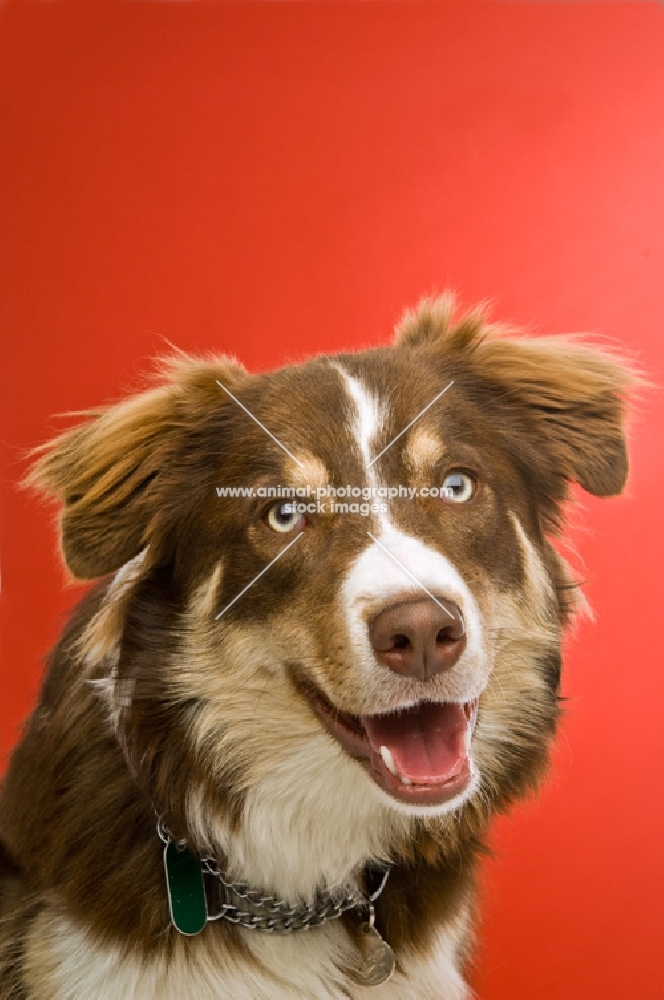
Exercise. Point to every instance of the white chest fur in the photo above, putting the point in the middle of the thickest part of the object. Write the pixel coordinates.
(63, 962)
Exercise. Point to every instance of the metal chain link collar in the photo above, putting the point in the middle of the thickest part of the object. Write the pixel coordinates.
(276, 916)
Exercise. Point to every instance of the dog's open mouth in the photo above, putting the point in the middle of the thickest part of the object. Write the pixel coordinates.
(420, 755)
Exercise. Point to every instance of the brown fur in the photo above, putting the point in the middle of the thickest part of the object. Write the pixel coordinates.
(130, 719)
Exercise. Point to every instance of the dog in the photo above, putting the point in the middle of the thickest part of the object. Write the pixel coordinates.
(323, 648)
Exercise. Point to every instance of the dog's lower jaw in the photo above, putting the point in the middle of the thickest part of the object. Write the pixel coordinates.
(449, 780)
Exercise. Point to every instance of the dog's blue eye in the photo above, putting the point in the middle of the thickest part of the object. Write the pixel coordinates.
(458, 487)
(283, 517)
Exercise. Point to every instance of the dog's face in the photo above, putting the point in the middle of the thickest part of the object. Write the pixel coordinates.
(356, 667)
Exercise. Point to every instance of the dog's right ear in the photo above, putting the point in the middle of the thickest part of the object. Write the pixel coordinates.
(111, 474)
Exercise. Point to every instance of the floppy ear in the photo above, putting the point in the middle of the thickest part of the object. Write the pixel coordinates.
(112, 474)
(559, 403)
(568, 400)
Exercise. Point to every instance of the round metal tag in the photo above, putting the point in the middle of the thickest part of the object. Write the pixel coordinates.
(377, 963)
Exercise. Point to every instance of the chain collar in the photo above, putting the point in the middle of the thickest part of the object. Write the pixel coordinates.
(239, 904)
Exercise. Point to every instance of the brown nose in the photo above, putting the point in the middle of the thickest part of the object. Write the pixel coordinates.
(418, 638)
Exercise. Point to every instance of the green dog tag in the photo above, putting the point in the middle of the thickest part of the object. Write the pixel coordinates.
(186, 890)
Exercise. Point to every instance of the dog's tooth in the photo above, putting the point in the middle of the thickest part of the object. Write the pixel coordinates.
(386, 754)
(471, 710)
(388, 760)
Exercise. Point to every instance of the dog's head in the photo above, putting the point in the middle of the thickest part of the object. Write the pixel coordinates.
(326, 678)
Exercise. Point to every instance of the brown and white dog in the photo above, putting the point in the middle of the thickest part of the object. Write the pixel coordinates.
(296, 694)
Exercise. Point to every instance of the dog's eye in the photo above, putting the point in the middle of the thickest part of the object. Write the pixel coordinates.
(458, 487)
(283, 517)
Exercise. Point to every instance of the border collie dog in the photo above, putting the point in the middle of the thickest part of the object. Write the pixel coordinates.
(323, 648)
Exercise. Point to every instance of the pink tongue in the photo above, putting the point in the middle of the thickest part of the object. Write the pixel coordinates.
(426, 742)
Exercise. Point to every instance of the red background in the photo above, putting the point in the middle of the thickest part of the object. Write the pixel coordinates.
(276, 179)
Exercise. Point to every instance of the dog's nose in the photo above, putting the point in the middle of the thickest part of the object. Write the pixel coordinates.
(418, 638)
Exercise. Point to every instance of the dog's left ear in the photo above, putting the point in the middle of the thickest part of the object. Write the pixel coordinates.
(560, 404)
(121, 477)
(566, 400)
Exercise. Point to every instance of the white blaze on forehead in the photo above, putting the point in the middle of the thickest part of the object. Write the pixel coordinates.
(369, 413)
